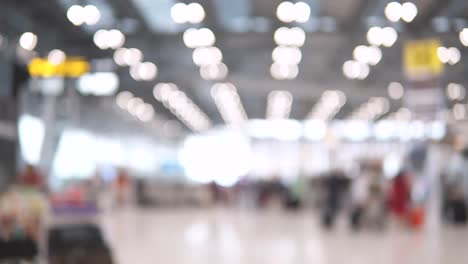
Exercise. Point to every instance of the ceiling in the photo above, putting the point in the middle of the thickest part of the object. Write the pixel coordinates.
(244, 33)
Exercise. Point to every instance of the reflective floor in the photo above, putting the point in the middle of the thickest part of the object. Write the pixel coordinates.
(228, 236)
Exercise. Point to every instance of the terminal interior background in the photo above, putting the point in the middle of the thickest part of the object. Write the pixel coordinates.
(206, 131)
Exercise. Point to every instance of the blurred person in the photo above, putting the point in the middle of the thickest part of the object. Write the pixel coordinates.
(122, 187)
(272, 193)
(400, 195)
(376, 207)
(335, 185)
(454, 181)
(31, 177)
(359, 199)
(217, 194)
(295, 194)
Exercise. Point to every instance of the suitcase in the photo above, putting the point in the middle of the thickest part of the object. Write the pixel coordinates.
(356, 218)
(78, 244)
(459, 214)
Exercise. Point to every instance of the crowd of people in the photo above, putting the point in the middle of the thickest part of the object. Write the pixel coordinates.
(369, 199)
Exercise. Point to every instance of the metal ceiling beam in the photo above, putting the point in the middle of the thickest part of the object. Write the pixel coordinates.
(127, 9)
(422, 23)
(352, 32)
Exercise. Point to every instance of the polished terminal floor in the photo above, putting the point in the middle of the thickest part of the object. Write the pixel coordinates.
(215, 236)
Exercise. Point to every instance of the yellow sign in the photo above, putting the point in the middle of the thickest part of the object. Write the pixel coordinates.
(73, 67)
(421, 59)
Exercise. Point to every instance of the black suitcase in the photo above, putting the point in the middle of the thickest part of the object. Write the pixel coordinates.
(356, 218)
(78, 244)
(459, 214)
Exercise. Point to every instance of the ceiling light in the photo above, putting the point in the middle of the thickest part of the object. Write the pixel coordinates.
(91, 15)
(389, 36)
(355, 70)
(288, 12)
(455, 91)
(115, 39)
(217, 71)
(464, 37)
(369, 55)
(195, 38)
(179, 13)
(279, 105)
(374, 36)
(285, 12)
(147, 71)
(290, 36)
(360, 54)
(459, 111)
(122, 99)
(287, 55)
(351, 69)
(302, 12)
(297, 36)
(28, 41)
(443, 54)
(191, 13)
(135, 73)
(75, 15)
(284, 71)
(333, 99)
(375, 55)
(207, 56)
(454, 55)
(395, 90)
(196, 13)
(133, 104)
(364, 71)
(377, 36)
(119, 56)
(100, 39)
(393, 11)
(145, 112)
(105, 39)
(409, 12)
(162, 91)
(56, 57)
(132, 56)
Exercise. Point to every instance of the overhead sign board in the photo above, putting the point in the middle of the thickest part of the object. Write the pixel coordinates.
(72, 67)
(421, 60)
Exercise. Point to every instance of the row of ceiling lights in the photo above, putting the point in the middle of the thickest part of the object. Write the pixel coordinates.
(292, 38)
(228, 102)
(328, 106)
(205, 55)
(287, 55)
(177, 102)
(135, 106)
(371, 110)
(210, 60)
(181, 106)
(366, 56)
(402, 114)
(454, 91)
(114, 39)
(279, 105)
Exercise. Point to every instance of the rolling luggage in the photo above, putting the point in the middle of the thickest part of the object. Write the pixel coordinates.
(78, 244)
